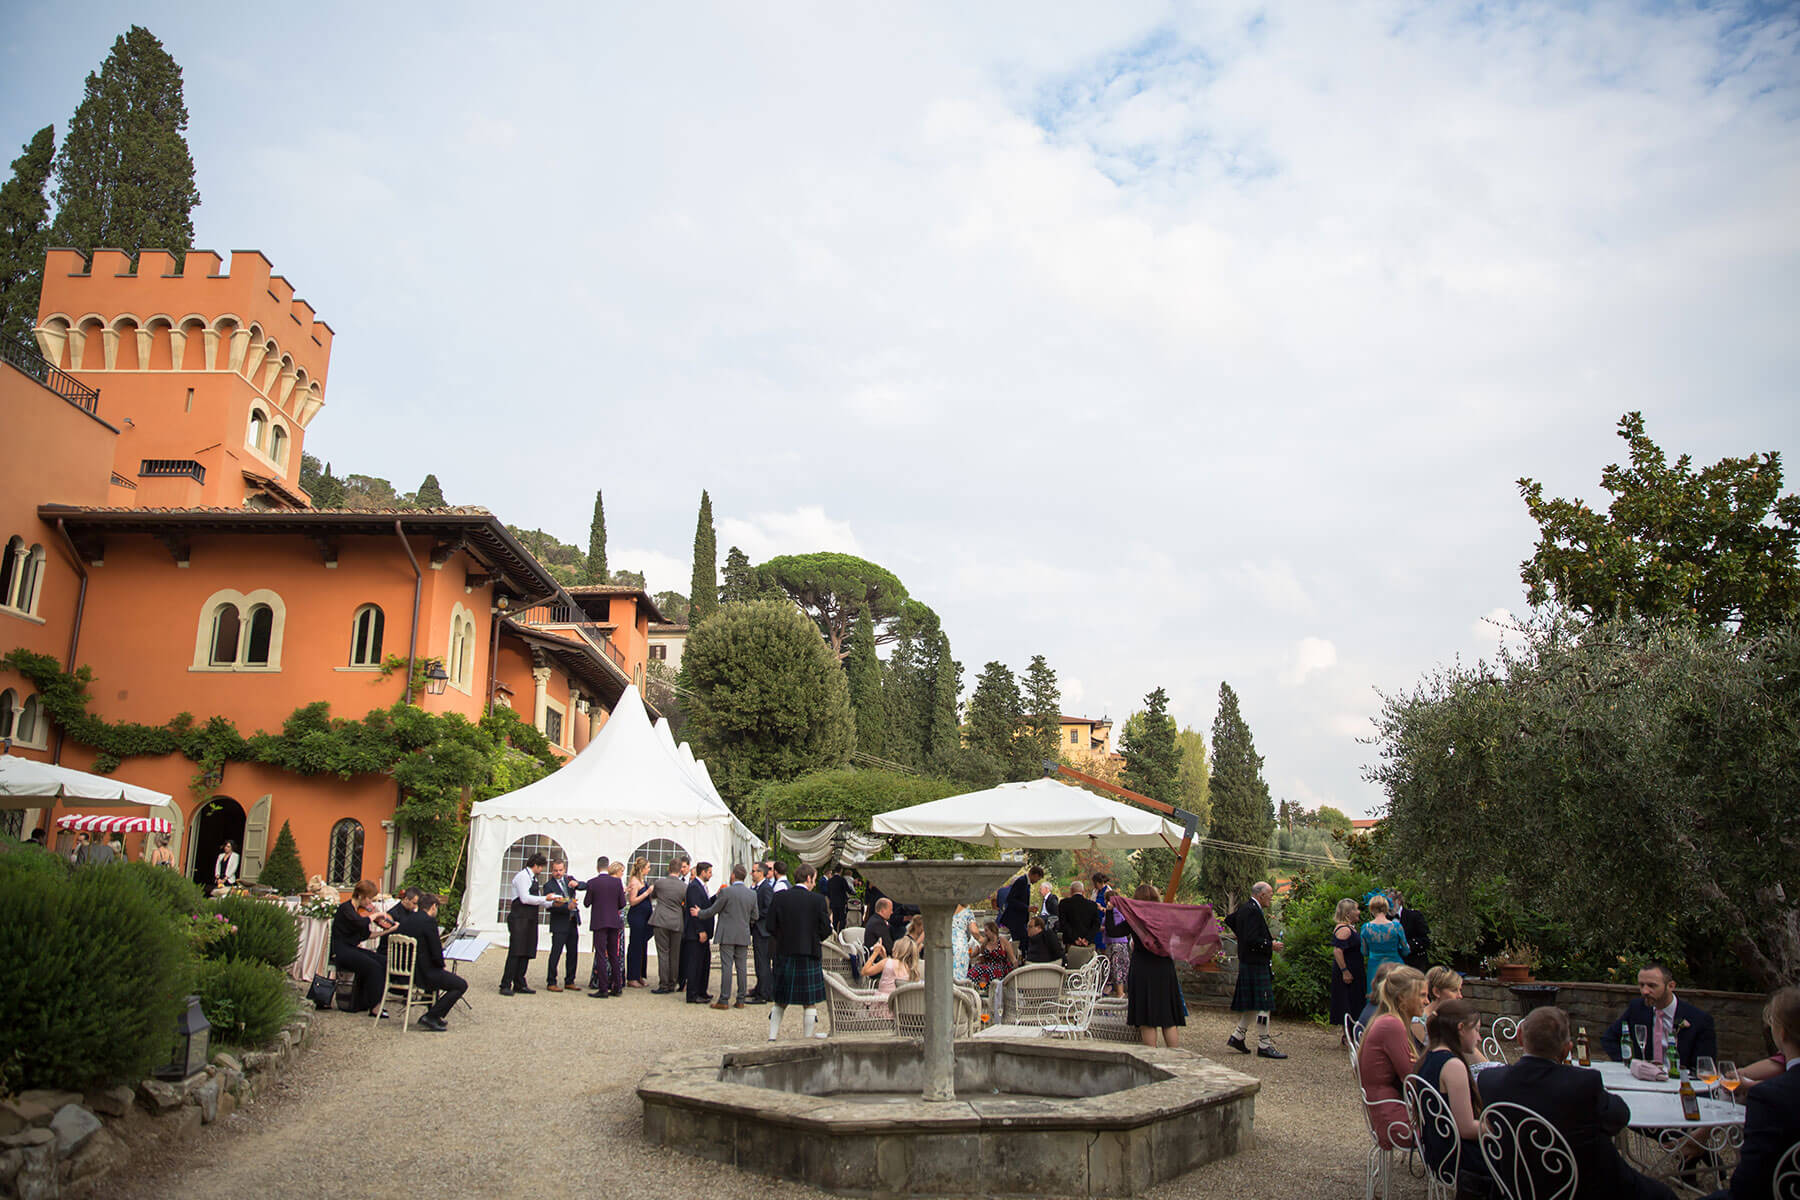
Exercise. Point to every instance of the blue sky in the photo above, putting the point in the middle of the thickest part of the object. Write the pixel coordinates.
(1177, 345)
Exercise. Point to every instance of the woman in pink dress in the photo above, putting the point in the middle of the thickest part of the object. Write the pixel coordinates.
(1388, 1055)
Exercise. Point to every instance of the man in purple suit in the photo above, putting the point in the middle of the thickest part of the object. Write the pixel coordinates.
(606, 896)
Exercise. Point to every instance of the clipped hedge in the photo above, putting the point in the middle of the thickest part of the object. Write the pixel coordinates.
(265, 932)
(247, 1001)
(178, 894)
(95, 970)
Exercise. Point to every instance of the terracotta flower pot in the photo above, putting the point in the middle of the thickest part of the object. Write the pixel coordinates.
(1515, 973)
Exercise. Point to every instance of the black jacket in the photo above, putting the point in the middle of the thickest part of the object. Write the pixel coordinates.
(1697, 1037)
(692, 926)
(1018, 909)
(1254, 942)
(1574, 1101)
(875, 929)
(1771, 1125)
(1079, 920)
(1418, 937)
(423, 929)
(1044, 947)
(765, 895)
(570, 916)
(837, 891)
(799, 920)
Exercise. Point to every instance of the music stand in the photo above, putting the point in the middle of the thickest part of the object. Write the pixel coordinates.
(466, 947)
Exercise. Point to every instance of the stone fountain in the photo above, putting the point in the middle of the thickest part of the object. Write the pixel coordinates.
(873, 1116)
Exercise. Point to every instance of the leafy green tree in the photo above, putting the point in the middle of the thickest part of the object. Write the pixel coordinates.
(281, 869)
(1720, 547)
(766, 699)
(596, 555)
(741, 582)
(831, 587)
(673, 606)
(863, 673)
(628, 578)
(996, 720)
(1152, 759)
(566, 563)
(1638, 780)
(124, 176)
(703, 593)
(430, 494)
(1043, 710)
(1242, 813)
(945, 728)
(24, 236)
(1193, 782)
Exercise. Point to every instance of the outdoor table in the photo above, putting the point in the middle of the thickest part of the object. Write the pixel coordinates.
(1618, 1078)
(315, 943)
(1661, 1134)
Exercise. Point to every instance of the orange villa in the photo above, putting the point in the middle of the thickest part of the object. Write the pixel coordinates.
(156, 531)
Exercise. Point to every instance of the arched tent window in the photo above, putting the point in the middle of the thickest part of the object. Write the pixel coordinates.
(278, 442)
(258, 434)
(225, 624)
(659, 853)
(262, 630)
(365, 637)
(343, 861)
(514, 861)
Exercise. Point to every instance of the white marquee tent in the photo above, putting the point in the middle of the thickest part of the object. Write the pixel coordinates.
(629, 790)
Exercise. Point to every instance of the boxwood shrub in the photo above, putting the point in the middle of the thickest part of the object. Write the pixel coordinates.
(177, 893)
(247, 1001)
(265, 932)
(95, 974)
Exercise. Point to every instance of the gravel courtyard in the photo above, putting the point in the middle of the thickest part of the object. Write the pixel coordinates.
(536, 1093)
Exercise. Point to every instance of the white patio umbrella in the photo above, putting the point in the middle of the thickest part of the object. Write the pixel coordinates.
(28, 778)
(1042, 814)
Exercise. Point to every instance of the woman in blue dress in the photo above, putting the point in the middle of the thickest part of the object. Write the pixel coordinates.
(1347, 986)
(1382, 938)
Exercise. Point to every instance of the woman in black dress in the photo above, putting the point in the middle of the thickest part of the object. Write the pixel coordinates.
(637, 919)
(350, 927)
(1153, 993)
(1347, 984)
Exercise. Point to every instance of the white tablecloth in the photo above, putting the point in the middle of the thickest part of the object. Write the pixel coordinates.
(1661, 1110)
(1618, 1078)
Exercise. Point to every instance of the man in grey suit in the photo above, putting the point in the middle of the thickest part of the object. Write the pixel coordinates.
(735, 906)
(669, 894)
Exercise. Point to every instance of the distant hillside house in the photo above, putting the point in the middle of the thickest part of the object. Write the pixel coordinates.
(1086, 739)
(666, 642)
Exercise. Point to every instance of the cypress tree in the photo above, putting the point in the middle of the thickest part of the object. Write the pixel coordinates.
(864, 671)
(996, 715)
(596, 558)
(431, 494)
(124, 176)
(24, 236)
(945, 724)
(703, 594)
(1241, 810)
(1043, 710)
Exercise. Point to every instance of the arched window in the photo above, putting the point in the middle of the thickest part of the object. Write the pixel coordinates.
(9, 712)
(659, 853)
(343, 862)
(21, 573)
(12, 562)
(25, 725)
(459, 663)
(365, 637)
(224, 636)
(278, 441)
(262, 631)
(514, 861)
(258, 435)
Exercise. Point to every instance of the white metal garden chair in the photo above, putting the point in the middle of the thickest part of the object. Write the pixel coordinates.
(1526, 1156)
(1787, 1174)
(1381, 1158)
(1500, 1031)
(1353, 1031)
(856, 1012)
(1427, 1109)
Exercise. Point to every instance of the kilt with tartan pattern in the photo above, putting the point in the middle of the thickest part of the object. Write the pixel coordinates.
(798, 980)
(1255, 991)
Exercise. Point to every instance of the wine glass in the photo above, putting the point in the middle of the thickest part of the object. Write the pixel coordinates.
(1706, 1072)
(1728, 1076)
(1642, 1032)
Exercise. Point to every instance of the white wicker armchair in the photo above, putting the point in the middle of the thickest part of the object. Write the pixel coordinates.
(1027, 989)
(856, 1012)
(908, 1005)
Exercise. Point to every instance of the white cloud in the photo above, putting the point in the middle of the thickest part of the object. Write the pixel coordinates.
(1498, 629)
(1309, 654)
(662, 572)
(801, 530)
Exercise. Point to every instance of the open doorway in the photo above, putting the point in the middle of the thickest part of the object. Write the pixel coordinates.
(215, 822)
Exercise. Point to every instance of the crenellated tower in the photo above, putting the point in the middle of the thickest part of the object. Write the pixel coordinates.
(211, 376)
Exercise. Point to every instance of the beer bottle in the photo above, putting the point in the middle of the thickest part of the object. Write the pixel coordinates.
(1625, 1050)
(1581, 1048)
(1690, 1103)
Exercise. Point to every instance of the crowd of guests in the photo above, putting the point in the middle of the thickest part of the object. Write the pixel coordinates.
(1421, 1025)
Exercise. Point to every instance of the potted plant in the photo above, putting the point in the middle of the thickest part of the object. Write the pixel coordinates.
(1514, 962)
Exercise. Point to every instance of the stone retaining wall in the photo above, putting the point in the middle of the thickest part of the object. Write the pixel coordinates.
(50, 1140)
(1742, 1036)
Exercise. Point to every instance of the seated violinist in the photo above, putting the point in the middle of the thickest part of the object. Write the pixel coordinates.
(356, 921)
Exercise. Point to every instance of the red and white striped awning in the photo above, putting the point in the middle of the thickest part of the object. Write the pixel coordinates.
(113, 824)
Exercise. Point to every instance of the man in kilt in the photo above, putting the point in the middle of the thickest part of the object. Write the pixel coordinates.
(799, 919)
(1255, 992)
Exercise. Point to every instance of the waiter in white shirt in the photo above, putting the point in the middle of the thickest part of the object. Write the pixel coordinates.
(522, 927)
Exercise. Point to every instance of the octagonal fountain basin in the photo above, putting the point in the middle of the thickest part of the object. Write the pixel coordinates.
(1030, 1118)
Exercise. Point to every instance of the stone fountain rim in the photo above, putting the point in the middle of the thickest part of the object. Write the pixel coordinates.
(690, 1079)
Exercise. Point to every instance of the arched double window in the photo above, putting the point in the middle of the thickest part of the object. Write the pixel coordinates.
(20, 720)
(343, 861)
(21, 576)
(459, 663)
(240, 632)
(257, 437)
(659, 853)
(513, 861)
(365, 636)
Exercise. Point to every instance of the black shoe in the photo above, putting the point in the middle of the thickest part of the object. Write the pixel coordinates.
(522, 990)
(435, 1024)
(1237, 1043)
(706, 996)
(1270, 1052)
(661, 991)
(598, 995)
(756, 1000)
(696, 1000)
(615, 992)
(505, 990)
